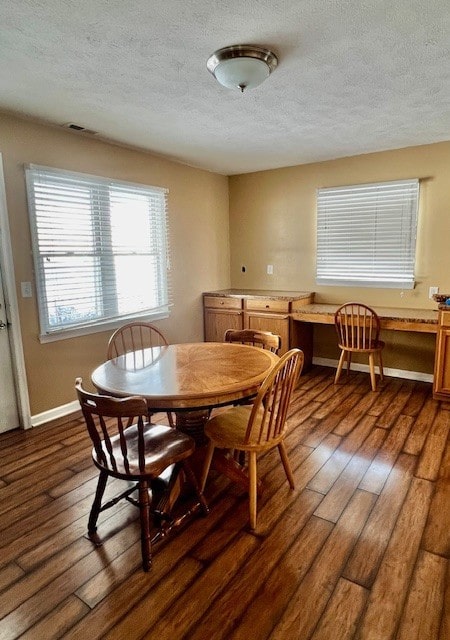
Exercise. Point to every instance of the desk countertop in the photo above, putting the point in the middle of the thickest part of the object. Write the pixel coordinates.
(261, 293)
(422, 320)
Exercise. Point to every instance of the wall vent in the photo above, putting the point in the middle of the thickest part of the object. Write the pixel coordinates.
(79, 128)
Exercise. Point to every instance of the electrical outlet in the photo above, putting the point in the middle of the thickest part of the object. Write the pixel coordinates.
(270, 269)
(432, 291)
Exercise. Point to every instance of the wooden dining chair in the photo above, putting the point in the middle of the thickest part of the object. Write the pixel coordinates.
(127, 447)
(263, 339)
(260, 427)
(136, 336)
(358, 331)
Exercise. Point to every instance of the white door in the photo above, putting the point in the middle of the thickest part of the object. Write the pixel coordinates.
(9, 417)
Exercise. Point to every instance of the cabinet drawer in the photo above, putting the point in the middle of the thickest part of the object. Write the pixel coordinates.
(216, 302)
(265, 304)
(444, 318)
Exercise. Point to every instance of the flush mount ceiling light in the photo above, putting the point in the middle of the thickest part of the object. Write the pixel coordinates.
(242, 66)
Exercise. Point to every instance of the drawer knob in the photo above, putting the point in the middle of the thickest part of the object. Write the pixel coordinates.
(267, 306)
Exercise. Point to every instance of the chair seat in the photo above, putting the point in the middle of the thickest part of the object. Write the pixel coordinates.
(163, 446)
(374, 346)
(227, 430)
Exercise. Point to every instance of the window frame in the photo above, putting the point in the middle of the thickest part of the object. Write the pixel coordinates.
(391, 254)
(156, 216)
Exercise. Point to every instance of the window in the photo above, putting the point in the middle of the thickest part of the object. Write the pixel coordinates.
(100, 250)
(366, 234)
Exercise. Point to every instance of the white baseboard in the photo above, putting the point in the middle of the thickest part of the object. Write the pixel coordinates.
(53, 414)
(395, 373)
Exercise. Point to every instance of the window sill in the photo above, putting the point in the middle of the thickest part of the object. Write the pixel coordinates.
(65, 334)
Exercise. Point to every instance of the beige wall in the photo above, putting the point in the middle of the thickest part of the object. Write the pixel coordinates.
(199, 238)
(273, 221)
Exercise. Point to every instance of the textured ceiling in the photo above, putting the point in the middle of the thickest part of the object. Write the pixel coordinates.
(354, 76)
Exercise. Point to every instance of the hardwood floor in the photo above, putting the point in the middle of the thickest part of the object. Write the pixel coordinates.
(359, 550)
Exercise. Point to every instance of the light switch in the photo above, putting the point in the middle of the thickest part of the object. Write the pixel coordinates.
(27, 291)
(432, 291)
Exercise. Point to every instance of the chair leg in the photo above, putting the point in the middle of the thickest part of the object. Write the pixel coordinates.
(286, 464)
(193, 480)
(97, 504)
(339, 368)
(380, 365)
(373, 380)
(349, 361)
(253, 493)
(206, 465)
(144, 511)
(171, 420)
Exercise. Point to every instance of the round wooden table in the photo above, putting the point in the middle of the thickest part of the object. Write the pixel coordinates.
(189, 379)
(181, 377)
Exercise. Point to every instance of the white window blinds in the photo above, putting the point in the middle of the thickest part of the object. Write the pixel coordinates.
(100, 249)
(366, 234)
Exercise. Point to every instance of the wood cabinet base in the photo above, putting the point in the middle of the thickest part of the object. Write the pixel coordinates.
(441, 385)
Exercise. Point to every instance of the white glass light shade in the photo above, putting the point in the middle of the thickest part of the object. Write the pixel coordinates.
(241, 66)
(241, 73)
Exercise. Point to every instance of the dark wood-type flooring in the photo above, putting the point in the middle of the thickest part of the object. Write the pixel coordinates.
(359, 550)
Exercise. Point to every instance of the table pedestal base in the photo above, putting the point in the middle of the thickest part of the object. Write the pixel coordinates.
(167, 490)
(193, 424)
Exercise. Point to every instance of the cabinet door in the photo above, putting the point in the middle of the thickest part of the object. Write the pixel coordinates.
(217, 321)
(442, 364)
(278, 324)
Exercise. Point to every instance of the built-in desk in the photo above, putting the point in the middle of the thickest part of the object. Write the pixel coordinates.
(418, 320)
(293, 314)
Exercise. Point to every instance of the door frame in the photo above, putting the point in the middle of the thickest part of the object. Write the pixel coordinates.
(12, 310)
